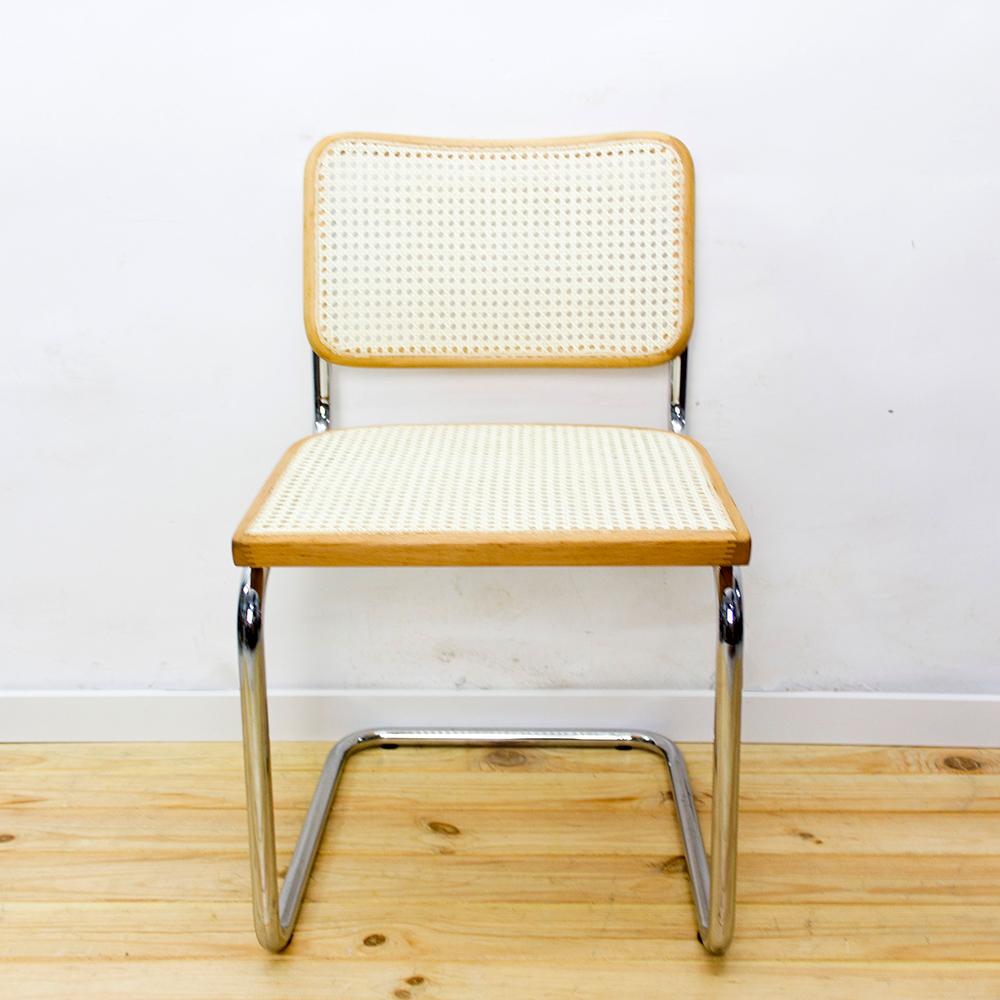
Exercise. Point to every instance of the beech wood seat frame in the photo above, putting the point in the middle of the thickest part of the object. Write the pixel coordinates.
(713, 876)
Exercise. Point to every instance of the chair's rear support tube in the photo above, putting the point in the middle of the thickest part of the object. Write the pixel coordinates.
(321, 394)
(275, 913)
(678, 392)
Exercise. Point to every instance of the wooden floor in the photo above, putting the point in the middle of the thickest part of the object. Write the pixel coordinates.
(470, 873)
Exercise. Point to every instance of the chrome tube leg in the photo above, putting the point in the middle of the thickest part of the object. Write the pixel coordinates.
(257, 761)
(274, 912)
(726, 767)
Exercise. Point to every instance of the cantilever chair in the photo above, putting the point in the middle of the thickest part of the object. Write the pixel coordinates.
(560, 252)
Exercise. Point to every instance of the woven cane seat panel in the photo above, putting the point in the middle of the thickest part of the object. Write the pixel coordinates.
(489, 479)
(465, 254)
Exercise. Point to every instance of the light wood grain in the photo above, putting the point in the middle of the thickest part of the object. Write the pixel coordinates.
(536, 873)
(322, 979)
(614, 930)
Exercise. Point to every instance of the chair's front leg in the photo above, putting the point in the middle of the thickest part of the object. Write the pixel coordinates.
(726, 768)
(257, 761)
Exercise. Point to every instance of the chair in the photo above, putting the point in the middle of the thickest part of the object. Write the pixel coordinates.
(560, 252)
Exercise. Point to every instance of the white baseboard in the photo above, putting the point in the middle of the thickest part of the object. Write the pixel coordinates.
(768, 717)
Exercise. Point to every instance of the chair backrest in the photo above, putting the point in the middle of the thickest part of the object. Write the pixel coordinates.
(554, 252)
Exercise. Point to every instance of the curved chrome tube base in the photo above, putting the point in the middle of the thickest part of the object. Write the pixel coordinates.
(712, 883)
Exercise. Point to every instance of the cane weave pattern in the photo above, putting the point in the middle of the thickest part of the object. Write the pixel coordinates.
(465, 254)
(491, 478)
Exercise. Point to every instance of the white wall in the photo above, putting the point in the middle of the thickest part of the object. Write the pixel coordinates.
(843, 367)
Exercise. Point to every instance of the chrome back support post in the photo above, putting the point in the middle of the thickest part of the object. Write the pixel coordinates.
(678, 392)
(321, 394)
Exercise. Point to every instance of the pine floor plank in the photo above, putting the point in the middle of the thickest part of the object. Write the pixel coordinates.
(457, 873)
(614, 929)
(213, 761)
(424, 827)
(261, 978)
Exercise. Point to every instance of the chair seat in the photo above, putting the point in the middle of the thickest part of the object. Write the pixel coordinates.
(493, 494)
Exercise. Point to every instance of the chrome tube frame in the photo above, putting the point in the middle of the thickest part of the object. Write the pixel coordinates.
(322, 418)
(726, 762)
(321, 394)
(713, 883)
(678, 392)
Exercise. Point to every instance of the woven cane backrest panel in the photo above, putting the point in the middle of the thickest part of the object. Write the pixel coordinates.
(447, 253)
